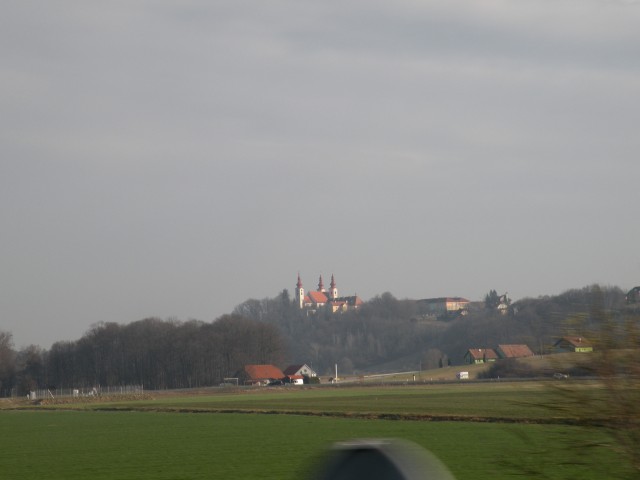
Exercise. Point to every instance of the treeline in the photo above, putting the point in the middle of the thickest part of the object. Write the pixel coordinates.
(385, 334)
(158, 354)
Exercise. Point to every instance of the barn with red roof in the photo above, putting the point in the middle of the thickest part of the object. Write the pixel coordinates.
(514, 351)
(259, 374)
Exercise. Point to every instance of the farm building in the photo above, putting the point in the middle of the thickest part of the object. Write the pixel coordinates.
(514, 351)
(304, 370)
(259, 374)
(480, 355)
(633, 295)
(573, 344)
(445, 305)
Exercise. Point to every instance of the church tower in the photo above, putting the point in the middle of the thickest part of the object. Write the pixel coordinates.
(321, 285)
(334, 290)
(299, 293)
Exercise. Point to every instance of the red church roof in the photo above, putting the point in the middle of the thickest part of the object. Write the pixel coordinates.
(317, 297)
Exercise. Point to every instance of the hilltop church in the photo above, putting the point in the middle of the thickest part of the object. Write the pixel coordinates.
(314, 300)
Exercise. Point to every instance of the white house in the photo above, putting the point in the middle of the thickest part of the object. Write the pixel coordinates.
(302, 370)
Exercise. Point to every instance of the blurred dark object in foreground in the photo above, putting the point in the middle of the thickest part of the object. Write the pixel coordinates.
(381, 459)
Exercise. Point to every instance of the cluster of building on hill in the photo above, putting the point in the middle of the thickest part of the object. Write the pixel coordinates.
(454, 306)
(313, 301)
(486, 355)
(272, 375)
(321, 298)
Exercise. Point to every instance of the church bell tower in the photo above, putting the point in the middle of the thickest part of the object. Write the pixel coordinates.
(334, 288)
(299, 293)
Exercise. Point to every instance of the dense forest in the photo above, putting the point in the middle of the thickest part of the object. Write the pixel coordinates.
(385, 334)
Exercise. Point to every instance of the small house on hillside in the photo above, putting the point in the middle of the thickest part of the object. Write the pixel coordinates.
(514, 351)
(304, 370)
(259, 374)
(480, 355)
(573, 344)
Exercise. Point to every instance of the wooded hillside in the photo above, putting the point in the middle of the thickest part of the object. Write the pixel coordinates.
(384, 334)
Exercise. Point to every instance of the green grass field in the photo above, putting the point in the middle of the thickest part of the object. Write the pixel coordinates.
(482, 401)
(163, 438)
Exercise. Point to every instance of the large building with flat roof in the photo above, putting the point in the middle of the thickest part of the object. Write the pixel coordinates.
(446, 305)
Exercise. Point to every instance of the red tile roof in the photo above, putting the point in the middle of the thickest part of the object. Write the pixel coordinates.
(263, 372)
(514, 351)
(317, 297)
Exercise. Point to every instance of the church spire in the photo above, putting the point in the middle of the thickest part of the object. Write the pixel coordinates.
(334, 289)
(321, 284)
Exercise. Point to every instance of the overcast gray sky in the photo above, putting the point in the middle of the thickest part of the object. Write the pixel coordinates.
(175, 158)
